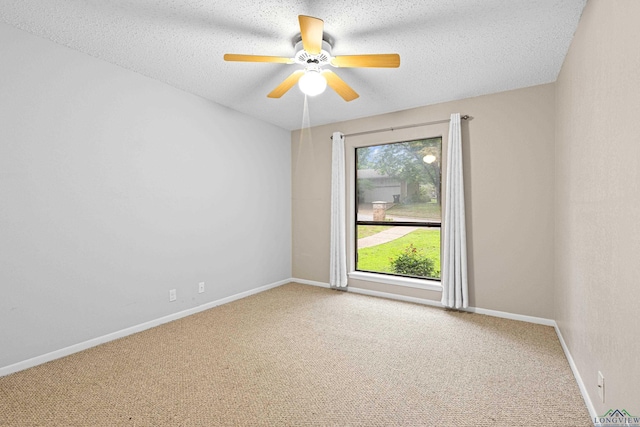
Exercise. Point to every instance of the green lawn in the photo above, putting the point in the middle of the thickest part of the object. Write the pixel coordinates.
(417, 210)
(378, 258)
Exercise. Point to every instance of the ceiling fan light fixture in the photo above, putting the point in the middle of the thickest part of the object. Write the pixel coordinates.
(312, 83)
(313, 52)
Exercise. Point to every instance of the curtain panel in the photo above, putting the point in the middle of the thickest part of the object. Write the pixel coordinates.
(454, 254)
(338, 241)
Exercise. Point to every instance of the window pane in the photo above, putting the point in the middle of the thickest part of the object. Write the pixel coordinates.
(399, 182)
(400, 250)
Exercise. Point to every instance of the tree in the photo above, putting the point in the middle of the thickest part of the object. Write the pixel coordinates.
(405, 161)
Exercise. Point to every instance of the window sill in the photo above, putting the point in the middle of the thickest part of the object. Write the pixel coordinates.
(408, 282)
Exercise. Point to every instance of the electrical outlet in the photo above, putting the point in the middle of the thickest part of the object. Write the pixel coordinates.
(601, 386)
(172, 295)
(200, 287)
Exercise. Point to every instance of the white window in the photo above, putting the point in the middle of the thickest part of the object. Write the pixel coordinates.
(398, 203)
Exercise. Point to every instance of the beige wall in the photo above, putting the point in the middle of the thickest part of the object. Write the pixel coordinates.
(597, 201)
(509, 179)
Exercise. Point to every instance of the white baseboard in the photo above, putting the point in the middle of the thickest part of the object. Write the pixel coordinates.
(38, 360)
(576, 374)
(310, 282)
(394, 296)
(512, 316)
(433, 303)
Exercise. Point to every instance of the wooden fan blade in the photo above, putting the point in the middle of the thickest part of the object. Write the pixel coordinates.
(385, 60)
(257, 58)
(287, 84)
(339, 85)
(311, 30)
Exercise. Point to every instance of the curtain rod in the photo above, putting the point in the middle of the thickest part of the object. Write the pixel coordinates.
(465, 117)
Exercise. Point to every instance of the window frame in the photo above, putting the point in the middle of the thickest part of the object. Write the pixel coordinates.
(389, 278)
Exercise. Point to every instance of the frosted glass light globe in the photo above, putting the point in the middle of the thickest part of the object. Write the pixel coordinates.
(312, 83)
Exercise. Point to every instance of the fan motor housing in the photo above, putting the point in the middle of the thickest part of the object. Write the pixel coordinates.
(303, 57)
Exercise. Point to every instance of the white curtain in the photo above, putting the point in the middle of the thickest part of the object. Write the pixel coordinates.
(454, 254)
(338, 243)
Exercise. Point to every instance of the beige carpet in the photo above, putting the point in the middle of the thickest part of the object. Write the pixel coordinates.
(303, 356)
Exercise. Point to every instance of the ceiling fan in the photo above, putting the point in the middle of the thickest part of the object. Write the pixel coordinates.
(313, 52)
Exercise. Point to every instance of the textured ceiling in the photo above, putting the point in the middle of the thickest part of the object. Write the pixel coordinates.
(449, 49)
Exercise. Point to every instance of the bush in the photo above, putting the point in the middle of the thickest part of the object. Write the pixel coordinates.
(412, 262)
